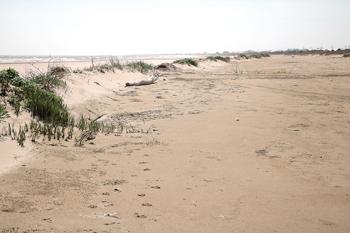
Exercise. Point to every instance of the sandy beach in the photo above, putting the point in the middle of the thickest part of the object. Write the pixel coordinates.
(256, 146)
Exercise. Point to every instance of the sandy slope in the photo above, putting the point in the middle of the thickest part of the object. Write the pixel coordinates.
(250, 146)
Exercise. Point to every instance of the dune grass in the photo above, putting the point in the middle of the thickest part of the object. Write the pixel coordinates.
(110, 66)
(139, 66)
(47, 81)
(3, 113)
(6, 77)
(43, 104)
(256, 55)
(187, 61)
(218, 58)
(52, 120)
(36, 94)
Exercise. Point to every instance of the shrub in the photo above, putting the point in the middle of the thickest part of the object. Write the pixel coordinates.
(139, 66)
(187, 61)
(346, 55)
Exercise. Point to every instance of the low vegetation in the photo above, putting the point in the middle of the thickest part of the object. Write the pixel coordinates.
(302, 52)
(114, 64)
(3, 113)
(187, 61)
(218, 58)
(139, 66)
(110, 66)
(346, 55)
(35, 93)
(6, 77)
(256, 55)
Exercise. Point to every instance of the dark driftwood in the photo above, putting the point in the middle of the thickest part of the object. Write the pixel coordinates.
(142, 83)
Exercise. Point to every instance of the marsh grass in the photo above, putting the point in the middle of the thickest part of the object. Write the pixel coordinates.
(187, 61)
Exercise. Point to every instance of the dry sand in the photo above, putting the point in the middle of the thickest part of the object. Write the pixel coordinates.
(250, 146)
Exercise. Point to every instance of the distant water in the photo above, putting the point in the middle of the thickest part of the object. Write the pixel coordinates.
(57, 59)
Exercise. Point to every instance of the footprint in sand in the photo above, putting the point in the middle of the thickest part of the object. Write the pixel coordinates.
(137, 215)
(262, 152)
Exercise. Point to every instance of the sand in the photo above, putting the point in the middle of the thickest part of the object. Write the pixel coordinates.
(250, 146)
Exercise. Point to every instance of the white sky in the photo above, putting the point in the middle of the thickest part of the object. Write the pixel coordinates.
(107, 27)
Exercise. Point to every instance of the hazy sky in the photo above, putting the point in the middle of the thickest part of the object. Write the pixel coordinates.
(93, 27)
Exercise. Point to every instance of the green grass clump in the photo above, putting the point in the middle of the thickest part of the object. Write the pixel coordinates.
(58, 71)
(139, 66)
(6, 77)
(36, 94)
(256, 55)
(243, 56)
(218, 58)
(110, 66)
(44, 104)
(3, 113)
(47, 81)
(187, 61)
